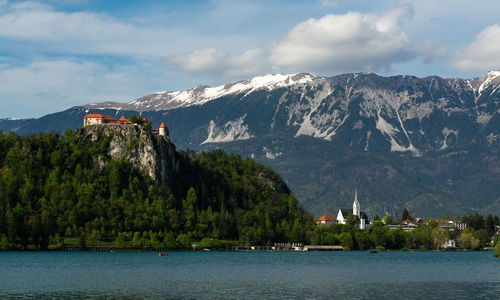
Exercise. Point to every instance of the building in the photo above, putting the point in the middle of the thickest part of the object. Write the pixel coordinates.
(122, 120)
(98, 119)
(326, 220)
(364, 222)
(449, 244)
(406, 227)
(163, 130)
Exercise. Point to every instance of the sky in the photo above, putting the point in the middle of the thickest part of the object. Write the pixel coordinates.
(56, 54)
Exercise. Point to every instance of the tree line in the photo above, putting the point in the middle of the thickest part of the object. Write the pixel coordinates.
(53, 192)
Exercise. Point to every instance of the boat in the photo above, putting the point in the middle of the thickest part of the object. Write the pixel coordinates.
(162, 254)
(371, 251)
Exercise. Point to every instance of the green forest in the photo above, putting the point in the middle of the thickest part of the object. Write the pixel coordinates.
(52, 193)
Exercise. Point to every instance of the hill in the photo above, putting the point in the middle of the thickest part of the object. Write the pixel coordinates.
(121, 182)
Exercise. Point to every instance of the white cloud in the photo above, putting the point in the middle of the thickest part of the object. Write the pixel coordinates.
(344, 43)
(211, 61)
(79, 32)
(431, 51)
(335, 43)
(483, 54)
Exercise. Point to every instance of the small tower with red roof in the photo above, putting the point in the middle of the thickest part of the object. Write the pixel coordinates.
(163, 131)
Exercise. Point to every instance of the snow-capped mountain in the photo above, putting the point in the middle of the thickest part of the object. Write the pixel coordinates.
(165, 100)
(429, 144)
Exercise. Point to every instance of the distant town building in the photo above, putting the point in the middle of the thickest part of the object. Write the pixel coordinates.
(454, 226)
(406, 227)
(449, 244)
(326, 220)
(364, 222)
(460, 225)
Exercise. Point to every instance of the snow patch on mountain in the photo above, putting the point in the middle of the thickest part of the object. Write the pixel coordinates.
(165, 100)
(231, 131)
(489, 77)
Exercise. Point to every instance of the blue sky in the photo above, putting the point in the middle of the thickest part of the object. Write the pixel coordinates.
(57, 54)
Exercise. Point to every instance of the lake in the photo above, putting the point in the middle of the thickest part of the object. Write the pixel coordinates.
(237, 275)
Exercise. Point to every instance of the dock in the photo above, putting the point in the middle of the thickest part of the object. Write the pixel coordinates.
(322, 248)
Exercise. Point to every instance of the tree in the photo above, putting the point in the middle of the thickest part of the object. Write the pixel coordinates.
(4, 243)
(137, 240)
(346, 240)
(136, 119)
(405, 215)
(467, 240)
(440, 236)
(120, 240)
(183, 241)
(169, 240)
(189, 209)
(352, 220)
(387, 219)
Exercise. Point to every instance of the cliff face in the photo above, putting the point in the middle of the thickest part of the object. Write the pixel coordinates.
(154, 155)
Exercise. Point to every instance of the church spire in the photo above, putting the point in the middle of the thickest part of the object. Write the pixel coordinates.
(355, 205)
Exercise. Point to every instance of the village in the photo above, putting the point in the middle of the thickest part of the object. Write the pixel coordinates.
(449, 227)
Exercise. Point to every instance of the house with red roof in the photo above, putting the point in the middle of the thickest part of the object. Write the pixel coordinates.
(326, 220)
(98, 119)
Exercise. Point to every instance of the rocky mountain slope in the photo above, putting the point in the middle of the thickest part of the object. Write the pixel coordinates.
(430, 144)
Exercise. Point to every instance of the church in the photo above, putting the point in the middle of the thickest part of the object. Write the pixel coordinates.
(364, 223)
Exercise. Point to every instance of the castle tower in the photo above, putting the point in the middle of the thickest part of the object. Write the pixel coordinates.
(355, 205)
(163, 131)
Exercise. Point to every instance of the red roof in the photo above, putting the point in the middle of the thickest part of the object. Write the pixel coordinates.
(99, 116)
(326, 218)
(122, 118)
(163, 125)
(146, 120)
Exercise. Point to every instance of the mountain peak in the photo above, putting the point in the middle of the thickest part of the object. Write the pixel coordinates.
(164, 100)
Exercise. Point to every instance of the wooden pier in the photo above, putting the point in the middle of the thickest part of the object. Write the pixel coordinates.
(322, 248)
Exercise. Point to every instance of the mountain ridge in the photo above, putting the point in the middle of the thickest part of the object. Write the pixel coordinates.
(399, 126)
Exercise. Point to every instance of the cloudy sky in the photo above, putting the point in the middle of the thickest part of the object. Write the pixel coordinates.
(56, 54)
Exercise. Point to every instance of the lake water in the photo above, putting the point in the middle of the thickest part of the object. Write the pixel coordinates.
(240, 275)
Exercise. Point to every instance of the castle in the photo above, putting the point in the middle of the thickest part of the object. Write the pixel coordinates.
(100, 119)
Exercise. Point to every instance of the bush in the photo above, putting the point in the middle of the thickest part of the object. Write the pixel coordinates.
(4, 243)
(214, 243)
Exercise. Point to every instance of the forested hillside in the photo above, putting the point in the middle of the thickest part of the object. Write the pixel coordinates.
(56, 187)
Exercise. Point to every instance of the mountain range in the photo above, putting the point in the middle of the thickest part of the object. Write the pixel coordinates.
(429, 144)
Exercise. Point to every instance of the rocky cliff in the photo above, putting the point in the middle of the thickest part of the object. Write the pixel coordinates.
(153, 154)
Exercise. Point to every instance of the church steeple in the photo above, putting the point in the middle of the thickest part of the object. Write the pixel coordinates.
(355, 205)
